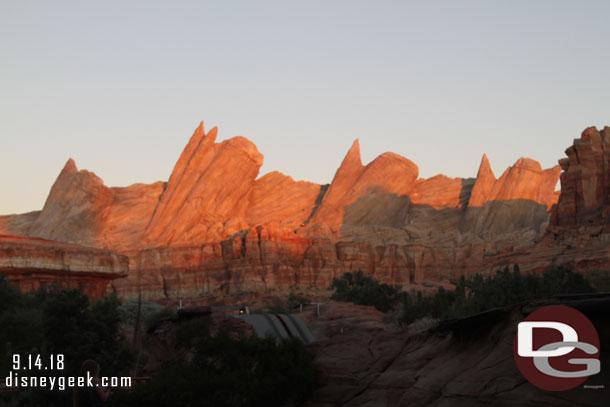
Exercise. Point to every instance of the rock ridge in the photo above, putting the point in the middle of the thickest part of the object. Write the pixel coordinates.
(216, 227)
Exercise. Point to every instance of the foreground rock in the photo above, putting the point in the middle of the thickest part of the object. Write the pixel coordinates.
(36, 263)
(468, 362)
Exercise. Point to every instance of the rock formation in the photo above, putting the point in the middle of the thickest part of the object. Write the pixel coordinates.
(585, 181)
(579, 230)
(38, 263)
(216, 228)
(373, 195)
(365, 361)
(208, 187)
(81, 209)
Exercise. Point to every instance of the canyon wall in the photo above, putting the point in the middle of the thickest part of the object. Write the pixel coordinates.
(37, 263)
(216, 227)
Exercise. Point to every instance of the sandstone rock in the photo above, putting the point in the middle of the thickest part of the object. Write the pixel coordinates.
(441, 191)
(520, 198)
(209, 184)
(131, 210)
(277, 197)
(484, 184)
(75, 208)
(38, 263)
(81, 209)
(18, 225)
(585, 181)
(365, 361)
(377, 194)
(215, 230)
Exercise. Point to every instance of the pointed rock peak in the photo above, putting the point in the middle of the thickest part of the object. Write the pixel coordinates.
(200, 130)
(70, 166)
(484, 184)
(69, 169)
(198, 135)
(211, 136)
(353, 155)
(485, 168)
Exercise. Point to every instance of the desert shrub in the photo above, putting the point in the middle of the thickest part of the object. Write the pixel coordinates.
(419, 306)
(150, 313)
(229, 371)
(599, 279)
(288, 304)
(503, 288)
(364, 290)
(59, 322)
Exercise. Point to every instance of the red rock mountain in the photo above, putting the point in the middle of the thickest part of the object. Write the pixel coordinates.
(37, 263)
(217, 228)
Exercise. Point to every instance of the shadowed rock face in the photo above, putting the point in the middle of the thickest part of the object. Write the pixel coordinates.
(365, 361)
(215, 228)
(387, 174)
(585, 181)
(579, 231)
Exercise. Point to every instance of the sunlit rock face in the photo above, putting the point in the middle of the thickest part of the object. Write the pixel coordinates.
(37, 263)
(217, 227)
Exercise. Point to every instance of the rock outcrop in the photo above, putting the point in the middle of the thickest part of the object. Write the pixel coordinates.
(81, 209)
(209, 186)
(579, 232)
(365, 361)
(519, 199)
(376, 194)
(38, 263)
(216, 228)
(585, 181)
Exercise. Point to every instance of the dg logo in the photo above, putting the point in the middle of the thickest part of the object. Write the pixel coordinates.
(557, 348)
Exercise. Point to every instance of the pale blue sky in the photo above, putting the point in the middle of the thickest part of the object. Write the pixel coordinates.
(121, 87)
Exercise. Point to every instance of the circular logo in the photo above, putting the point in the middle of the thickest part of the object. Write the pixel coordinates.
(556, 348)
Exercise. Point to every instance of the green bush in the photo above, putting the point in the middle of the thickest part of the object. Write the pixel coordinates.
(364, 290)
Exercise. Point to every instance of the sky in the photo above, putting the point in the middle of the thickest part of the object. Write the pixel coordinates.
(121, 86)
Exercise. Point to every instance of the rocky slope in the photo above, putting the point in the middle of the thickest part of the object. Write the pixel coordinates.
(466, 362)
(216, 227)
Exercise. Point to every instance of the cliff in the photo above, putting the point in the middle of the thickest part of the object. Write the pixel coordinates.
(217, 228)
(38, 263)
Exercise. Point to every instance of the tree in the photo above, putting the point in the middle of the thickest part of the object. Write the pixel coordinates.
(364, 290)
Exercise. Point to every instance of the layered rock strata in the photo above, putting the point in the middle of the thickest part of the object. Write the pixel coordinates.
(37, 263)
(216, 227)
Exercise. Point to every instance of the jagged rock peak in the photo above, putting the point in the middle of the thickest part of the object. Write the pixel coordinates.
(353, 154)
(483, 185)
(485, 167)
(209, 184)
(70, 167)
